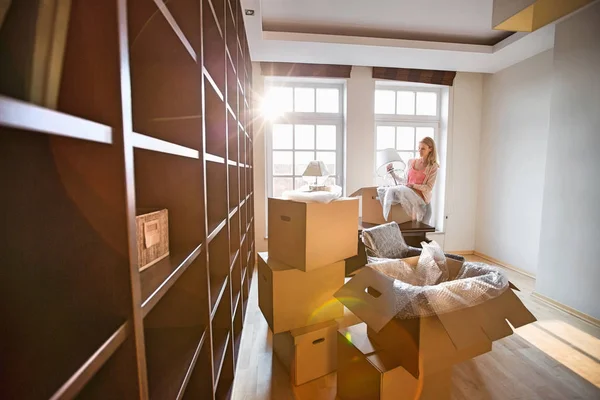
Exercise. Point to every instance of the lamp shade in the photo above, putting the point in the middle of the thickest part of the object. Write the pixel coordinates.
(388, 156)
(316, 168)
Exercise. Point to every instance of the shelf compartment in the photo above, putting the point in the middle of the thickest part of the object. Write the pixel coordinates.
(118, 372)
(234, 233)
(21, 115)
(237, 330)
(236, 280)
(200, 385)
(175, 183)
(234, 194)
(231, 36)
(141, 141)
(221, 329)
(214, 45)
(232, 149)
(169, 353)
(225, 376)
(218, 265)
(216, 194)
(187, 16)
(174, 329)
(67, 224)
(95, 363)
(216, 129)
(158, 279)
(166, 86)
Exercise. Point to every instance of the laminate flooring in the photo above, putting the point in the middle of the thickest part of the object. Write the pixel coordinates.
(558, 357)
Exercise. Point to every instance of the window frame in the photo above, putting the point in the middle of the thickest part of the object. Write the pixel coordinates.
(397, 120)
(305, 118)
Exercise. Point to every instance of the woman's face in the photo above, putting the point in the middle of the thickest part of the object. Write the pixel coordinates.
(424, 150)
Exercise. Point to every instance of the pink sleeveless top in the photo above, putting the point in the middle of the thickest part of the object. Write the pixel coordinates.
(415, 177)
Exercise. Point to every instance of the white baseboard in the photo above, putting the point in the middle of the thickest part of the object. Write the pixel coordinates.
(559, 306)
(503, 264)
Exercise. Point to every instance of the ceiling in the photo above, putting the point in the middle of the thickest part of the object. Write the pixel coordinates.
(458, 21)
(428, 34)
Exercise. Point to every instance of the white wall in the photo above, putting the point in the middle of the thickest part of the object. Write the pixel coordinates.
(569, 266)
(259, 163)
(512, 161)
(360, 127)
(463, 156)
(463, 134)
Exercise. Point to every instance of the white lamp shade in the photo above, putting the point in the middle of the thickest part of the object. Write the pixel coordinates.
(316, 168)
(389, 156)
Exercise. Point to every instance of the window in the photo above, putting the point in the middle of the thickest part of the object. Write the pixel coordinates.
(404, 116)
(305, 124)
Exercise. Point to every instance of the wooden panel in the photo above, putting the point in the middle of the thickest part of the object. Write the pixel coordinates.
(305, 70)
(415, 75)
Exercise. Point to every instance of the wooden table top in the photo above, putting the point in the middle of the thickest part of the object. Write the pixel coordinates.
(410, 226)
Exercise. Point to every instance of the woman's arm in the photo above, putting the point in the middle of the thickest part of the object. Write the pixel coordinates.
(427, 186)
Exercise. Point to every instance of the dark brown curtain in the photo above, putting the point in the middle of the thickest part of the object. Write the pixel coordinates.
(305, 70)
(415, 75)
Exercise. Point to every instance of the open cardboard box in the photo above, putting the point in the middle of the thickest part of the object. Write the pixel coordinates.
(308, 236)
(372, 211)
(291, 299)
(366, 372)
(308, 353)
(430, 344)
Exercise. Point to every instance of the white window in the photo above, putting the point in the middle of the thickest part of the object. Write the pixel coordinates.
(404, 115)
(305, 123)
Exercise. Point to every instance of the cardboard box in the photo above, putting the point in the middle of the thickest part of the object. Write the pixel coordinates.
(308, 353)
(430, 344)
(372, 211)
(366, 372)
(152, 235)
(291, 299)
(308, 236)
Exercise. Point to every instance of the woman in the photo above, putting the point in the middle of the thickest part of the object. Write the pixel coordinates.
(421, 173)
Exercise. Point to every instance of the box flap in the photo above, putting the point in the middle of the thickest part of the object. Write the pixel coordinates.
(357, 335)
(369, 295)
(359, 191)
(463, 327)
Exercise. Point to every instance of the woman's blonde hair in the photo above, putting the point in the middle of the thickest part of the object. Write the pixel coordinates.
(432, 157)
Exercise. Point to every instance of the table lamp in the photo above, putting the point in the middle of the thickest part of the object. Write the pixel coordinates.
(386, 157)
(318, 170)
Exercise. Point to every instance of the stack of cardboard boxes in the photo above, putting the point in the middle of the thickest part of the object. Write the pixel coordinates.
(303, 268)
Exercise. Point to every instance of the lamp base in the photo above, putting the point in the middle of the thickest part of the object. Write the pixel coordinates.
(317, 188)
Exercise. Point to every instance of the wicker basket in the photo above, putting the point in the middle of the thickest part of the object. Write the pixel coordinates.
(152, 228)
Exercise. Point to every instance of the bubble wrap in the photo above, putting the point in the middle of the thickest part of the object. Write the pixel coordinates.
(410, 201)
(320, 196)
(426, 290)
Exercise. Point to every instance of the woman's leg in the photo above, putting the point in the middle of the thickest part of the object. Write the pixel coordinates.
(428, 213)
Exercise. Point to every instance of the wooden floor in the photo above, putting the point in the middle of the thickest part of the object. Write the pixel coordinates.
(558, 357)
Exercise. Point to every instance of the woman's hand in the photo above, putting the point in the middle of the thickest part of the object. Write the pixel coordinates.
(390, 167)
(409, 185)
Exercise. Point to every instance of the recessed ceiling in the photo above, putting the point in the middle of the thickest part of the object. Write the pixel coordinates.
(453, 35)
(455, 21)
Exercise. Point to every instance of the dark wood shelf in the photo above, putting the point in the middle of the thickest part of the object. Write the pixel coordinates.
(21, 115)
(141, 141)
(159, 278)
(170, 352)
(191, 368)
(200, 384)
(220, 351)
(224, 379)
(83, 375)
(217, 291)
(184, 41)
(151, 110)
(214, 159)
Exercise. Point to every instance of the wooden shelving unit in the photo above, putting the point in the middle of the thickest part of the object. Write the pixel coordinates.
(154, 111)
